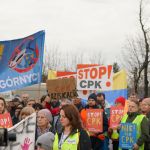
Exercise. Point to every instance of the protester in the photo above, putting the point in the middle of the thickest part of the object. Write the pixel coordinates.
(45, 141)
(133, 116)
(57, 127)
(15, 117)
(73, 136)
(101, 100)
(103, 104)
(44, 120)
(133, 97)
(113, 132)
(145, 109)
(54, 104)
(37, 107)
(3, 108)
(25, 112)
(53, 107)
(77, 102)
(44, 100)
(97, 138)
(13, 105)
(30, 102)
(24, 99)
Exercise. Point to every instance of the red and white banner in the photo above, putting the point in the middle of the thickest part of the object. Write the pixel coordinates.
(95, 78)
(116, 114)
(94, 120)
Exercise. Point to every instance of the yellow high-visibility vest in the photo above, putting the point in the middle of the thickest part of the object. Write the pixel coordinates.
(71, 143)
(136, 121)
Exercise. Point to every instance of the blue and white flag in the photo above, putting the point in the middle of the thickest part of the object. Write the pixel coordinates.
(21, 62)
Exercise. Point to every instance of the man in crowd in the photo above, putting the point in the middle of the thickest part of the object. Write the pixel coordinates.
(102, 104)
(77, 102)
(97, 138)
(24, 98)
(145, 109)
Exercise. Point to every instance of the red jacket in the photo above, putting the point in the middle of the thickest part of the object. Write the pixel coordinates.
(54, 111)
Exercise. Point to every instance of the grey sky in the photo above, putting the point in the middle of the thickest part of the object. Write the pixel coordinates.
(88, 25)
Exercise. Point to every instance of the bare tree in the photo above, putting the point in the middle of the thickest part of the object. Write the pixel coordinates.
(137, 53)
(133, 59)
(52, 60)
(145, 31)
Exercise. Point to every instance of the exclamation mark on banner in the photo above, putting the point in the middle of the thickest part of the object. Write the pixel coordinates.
(1, 51)
(108, 83)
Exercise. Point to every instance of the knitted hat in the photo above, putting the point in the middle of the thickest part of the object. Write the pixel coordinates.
(45, 141)
(47, 114)
(93, 96)
(121, 100)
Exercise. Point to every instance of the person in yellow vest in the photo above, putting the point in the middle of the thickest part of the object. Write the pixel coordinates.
(133, 116)
(73, 136)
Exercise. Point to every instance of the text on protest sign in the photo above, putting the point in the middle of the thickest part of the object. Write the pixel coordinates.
(5, 120)
(62, 88)
(21, 62)
(95, 78)
(94, 120)
(81, 93)
(116, 114)
(127, 136)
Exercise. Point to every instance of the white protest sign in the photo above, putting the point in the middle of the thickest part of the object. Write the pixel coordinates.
(95, 78)
(25, 134)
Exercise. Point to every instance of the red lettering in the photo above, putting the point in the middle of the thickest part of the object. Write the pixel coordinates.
(86, 73)
(80, 74)
(93, 73)
(102, 71)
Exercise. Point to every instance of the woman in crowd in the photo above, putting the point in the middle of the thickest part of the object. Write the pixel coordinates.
(15, 117)
(2, 105)
(25, 112)
(133, 116)
(30, 102)
(73, 136)
(57, 127)
(37, 107)
(44, 120)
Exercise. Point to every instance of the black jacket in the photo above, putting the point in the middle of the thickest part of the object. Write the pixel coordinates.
(147, 143)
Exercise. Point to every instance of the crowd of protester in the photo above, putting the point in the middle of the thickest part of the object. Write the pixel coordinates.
(60, 120)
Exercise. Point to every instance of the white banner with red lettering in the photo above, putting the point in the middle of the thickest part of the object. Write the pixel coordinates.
(95, 78)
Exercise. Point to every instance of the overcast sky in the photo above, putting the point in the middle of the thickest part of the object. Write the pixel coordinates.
(75, 25)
